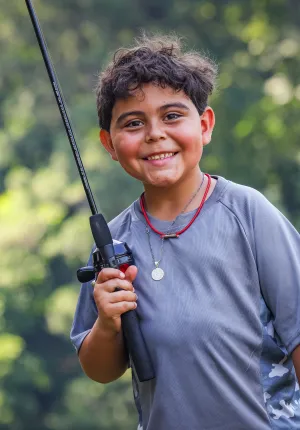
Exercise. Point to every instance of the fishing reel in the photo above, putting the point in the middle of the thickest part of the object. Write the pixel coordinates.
(122, 259)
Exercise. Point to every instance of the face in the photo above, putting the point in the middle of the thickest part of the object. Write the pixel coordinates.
(157, 135)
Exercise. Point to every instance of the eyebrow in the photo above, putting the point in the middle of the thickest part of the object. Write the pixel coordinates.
(175, 104)
(140, 112)
(129, 113)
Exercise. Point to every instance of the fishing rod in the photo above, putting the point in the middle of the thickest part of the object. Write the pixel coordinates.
(108, 252)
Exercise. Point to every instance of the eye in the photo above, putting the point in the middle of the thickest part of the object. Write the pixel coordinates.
(134, 123)
(172, 115)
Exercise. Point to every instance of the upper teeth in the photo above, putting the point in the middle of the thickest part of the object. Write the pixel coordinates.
(161, 156)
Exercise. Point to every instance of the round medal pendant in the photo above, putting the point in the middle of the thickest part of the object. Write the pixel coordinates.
(157, 274)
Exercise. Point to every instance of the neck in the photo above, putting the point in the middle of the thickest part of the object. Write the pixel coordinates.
(167, 203)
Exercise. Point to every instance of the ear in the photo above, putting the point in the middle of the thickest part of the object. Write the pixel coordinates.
(106, 141)
(207, 124)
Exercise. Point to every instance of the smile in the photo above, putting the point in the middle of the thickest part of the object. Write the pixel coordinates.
(160, 156)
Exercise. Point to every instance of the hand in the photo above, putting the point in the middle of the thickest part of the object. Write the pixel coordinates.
(111, 304)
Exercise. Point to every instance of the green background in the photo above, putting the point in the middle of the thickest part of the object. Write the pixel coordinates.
(44, 227)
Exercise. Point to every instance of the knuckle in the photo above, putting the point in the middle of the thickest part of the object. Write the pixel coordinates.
(97, 291)
(115, 284)
(128, 285)
(105, 273)
(131, 297)
(98, 285)
(119, 285)
(124, 307)
(128, 296)
(118, 296)
(102, 276)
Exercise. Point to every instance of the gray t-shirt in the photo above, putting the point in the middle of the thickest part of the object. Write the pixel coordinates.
(222, 323)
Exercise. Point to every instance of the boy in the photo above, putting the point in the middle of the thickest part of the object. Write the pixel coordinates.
(217, 266)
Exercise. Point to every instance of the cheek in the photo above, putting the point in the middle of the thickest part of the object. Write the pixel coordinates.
(126, 148)
(189, 138)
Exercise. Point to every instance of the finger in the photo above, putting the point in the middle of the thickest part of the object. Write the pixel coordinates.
(109, 273)
(111, 285)
(122, 296)
(116, 309)
(131, 273)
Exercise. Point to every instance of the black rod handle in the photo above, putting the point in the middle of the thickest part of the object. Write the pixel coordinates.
(134, 340)
(136, 346)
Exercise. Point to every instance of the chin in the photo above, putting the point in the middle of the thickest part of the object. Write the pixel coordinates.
(162, 182)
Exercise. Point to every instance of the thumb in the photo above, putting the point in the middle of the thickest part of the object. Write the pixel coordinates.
(131, 273)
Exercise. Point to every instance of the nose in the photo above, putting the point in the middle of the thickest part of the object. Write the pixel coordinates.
(155, 133)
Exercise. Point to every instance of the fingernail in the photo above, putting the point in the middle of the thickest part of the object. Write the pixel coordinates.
(122, 275)
(136, 297)
(133, 290)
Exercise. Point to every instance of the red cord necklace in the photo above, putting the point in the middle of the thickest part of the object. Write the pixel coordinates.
(177, 233)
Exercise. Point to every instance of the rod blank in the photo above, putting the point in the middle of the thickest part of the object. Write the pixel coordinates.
(61, 106)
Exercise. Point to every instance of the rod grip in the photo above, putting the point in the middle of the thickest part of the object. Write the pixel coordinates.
(134, 340)
(136, 346)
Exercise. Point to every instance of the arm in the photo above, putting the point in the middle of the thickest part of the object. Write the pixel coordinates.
(277, 246)
(102, 354)
(296, 361)
(97, 332)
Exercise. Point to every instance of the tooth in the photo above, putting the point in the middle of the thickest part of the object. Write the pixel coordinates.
(161, 156)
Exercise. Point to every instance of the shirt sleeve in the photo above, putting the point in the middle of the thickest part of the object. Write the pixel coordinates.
(277, 246)
(85, 314)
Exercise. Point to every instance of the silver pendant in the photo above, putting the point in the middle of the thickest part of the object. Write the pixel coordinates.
(157, 274)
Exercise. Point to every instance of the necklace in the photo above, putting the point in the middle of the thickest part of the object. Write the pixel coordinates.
(158, 273)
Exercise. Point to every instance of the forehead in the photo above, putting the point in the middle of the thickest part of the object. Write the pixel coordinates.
(149, 97)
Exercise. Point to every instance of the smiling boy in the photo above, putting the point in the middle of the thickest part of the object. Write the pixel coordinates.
(158, 139)
(217, 266)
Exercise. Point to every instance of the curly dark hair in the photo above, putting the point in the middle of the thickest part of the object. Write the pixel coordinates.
(156, 59)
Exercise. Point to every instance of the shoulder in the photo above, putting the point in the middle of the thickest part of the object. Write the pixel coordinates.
(245, 201)
(122, 222)
(256, 215)
(236, 194)
(260, 219)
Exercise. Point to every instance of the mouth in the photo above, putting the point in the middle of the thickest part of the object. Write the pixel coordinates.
(161, 156)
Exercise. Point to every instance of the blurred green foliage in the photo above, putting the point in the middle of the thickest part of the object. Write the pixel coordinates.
(44, 229)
